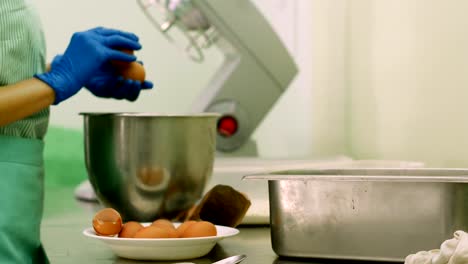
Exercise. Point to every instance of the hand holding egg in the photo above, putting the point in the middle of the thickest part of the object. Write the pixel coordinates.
(130, 70)
(118, 80)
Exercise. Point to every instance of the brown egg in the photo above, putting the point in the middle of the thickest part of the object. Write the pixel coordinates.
(166, 225)
(107, 222)
(163, 222)
(172, 233)
(152, 232)
(200, 229)
(129, 229)
(133, 71)
(182, 227)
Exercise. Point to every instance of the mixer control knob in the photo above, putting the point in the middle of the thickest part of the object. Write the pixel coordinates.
(232, 124)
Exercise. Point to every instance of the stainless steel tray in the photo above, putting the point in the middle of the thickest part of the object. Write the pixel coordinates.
(364, 214)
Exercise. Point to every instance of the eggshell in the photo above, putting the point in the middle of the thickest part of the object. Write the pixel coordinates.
(166, 225)
(129, 229)
(200, 229)
(182, 227)
(133, 71)
(163, 222)
(172, 233)
(152, 232)
(107, 222)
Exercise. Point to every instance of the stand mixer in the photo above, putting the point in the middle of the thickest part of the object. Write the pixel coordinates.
(256, 71)
(257, 68)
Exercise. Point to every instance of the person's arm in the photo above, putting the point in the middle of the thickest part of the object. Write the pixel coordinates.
(23, 99)
(84, 56)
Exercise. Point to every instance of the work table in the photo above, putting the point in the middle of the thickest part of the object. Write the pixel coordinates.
(65, 218)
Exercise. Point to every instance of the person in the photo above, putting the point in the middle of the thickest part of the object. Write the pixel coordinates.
(27, 89)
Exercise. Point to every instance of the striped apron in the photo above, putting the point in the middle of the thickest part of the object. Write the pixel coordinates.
(22, 54)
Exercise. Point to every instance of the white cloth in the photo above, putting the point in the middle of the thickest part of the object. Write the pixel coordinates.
(452, 251)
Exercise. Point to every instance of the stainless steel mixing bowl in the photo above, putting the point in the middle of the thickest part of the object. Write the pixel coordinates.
(147, 165)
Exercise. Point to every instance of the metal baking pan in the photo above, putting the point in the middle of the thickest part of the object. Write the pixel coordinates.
(364, 214)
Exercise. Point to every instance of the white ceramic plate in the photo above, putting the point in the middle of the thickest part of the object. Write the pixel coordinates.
(163, 248)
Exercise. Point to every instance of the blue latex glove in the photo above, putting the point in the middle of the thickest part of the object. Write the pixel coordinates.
(85, 55)
(107, 83)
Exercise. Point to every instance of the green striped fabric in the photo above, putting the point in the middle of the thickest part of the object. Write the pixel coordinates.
(22, 54)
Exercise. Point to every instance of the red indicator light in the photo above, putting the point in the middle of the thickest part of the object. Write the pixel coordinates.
(227, 126)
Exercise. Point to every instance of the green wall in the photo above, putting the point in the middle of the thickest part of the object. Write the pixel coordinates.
(64, 157)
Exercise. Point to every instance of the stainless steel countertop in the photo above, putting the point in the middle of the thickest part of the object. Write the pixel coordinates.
(65, 218)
